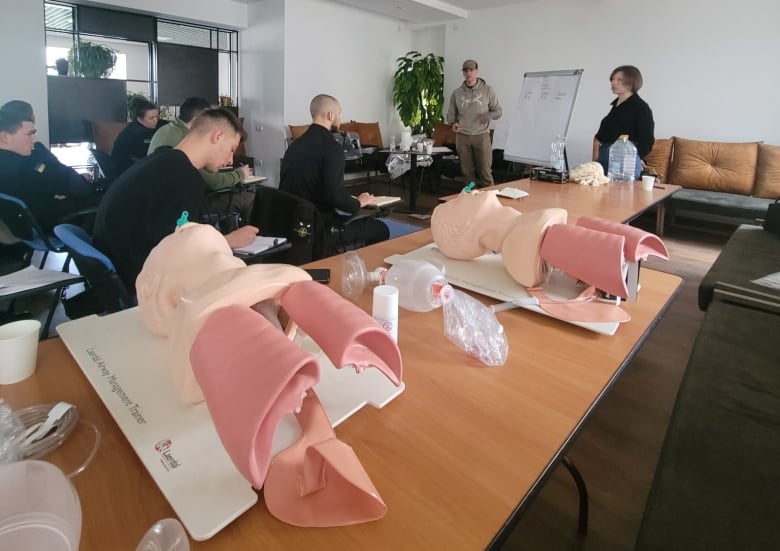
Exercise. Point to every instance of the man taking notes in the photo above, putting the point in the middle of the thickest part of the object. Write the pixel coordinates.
(472, 106)
(172, 133)
(142, 206)
(313, 168)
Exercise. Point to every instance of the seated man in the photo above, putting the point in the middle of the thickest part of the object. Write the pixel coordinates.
(30, 172)
(143, 205)
(132, 143)
(313, 168)
(172, 133)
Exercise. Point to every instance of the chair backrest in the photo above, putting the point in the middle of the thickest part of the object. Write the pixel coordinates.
(79, 242)
(23, 224)
(104, 134)
(106, 292)
(281, 214)
(105, 164)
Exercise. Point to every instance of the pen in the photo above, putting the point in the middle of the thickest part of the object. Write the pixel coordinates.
(659, 187)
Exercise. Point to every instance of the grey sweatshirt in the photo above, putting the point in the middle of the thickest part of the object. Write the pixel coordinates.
(468, 105)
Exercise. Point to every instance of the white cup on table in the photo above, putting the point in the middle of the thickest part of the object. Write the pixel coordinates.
(648, 182)
(18, 350)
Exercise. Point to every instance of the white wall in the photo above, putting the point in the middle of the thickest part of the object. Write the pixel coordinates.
(261, 98)
(23, 63)
(709, 67)
(346, 52)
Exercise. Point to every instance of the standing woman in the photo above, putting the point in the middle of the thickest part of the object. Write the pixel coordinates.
(630, 115)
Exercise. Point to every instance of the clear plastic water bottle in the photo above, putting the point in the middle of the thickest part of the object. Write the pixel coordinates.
(622, 160)
(392, 143)
(421, 285)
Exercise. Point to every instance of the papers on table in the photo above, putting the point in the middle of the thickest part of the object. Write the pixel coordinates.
(441, 149)
(260, 244)
(32, 278)
(383, 201)
(512, 193)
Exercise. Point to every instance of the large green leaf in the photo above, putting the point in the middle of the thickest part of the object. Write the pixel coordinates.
(418, 91)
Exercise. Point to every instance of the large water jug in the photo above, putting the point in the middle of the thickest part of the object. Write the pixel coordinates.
(622, 160)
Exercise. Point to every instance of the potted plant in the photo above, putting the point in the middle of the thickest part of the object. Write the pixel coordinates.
(91, 60)
(418, 91)
(62, 66)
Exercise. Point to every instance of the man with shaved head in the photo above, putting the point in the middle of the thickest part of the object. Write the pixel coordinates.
(313, 168)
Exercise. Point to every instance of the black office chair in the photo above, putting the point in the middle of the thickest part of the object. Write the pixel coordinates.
(105, 292)
(105, 164)
(280, 214)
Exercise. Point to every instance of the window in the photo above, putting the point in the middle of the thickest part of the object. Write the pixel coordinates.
(135, 40)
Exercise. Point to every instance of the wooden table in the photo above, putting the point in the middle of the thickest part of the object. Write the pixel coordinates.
(456, 457)
(620, 202)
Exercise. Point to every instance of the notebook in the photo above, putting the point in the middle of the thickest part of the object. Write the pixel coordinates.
(512, 193)
(384, 200)
(260, 244)
(254, 179)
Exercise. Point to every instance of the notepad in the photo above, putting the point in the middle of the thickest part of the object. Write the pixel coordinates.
(260, 244)
(512, 193)
(254, 179)
(384, 200)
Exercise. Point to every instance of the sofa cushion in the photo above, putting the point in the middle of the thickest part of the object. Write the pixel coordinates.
(104, 134)
(716, 483)
(718, 206)
(350, 126)
(768, 178)
(750, 253)
(369, 133)
(297, 130)
(659, 157)
(443, 134)
(714, 166)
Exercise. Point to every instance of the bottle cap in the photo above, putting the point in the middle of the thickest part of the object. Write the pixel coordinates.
(385, 305)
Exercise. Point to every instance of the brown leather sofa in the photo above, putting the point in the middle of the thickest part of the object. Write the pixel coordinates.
(723, 182)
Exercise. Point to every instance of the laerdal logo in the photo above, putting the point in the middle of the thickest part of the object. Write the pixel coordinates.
(163, 447)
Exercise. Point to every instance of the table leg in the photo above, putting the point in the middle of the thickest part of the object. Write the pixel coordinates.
(411, 206)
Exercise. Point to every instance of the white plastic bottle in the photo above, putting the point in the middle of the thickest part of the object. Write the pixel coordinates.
(622, 160)
(385, 309)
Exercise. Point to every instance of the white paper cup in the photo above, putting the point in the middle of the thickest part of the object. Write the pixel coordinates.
(429, 147)
(647, 182)
(18, 350)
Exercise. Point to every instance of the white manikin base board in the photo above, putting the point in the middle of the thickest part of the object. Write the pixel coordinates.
(178, 444)
(487, 276)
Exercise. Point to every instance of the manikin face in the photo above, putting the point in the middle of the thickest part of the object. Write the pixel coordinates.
(470, 76)
(20, 142)
(619, 87)
(150, 118)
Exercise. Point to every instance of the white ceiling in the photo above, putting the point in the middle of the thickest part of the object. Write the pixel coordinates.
(421, 12)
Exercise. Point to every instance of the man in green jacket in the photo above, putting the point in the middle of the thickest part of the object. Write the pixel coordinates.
(219, 204)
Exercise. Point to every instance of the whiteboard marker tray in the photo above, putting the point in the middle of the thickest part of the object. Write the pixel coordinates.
(126, 365)
(487, 276)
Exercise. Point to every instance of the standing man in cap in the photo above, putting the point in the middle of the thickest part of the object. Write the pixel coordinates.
(472, 106)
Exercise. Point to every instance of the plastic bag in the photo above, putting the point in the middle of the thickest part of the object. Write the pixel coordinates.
(10, 428)
(474, 329)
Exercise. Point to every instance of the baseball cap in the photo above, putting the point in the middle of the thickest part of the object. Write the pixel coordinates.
(470, 64)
